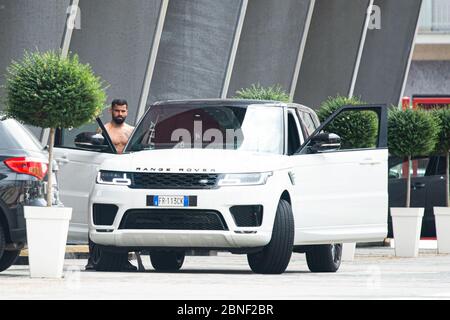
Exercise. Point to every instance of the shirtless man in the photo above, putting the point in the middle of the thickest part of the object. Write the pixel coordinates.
(118, 130)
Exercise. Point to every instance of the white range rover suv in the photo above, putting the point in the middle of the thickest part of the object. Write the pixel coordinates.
(250, 177)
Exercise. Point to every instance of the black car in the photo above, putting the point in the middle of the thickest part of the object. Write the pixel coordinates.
(23, 166)
(427, 188)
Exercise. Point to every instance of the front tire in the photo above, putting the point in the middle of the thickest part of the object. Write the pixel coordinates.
(167, 260)
(275, 257)
(324, 258)
(2, 240)
(103, 260)
(8, 258)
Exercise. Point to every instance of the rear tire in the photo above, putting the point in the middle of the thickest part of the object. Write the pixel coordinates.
(324, 258)
(103, 260)
(275, 257)
(167, 260)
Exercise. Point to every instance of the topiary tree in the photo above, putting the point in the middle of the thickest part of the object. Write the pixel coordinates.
(48, 90)
(356, 129)
(411, 133)
(443, 145)
(257, 92)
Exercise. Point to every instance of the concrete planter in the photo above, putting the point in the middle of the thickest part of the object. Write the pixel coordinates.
(348, 251)
(47, 230)
(407, 224)
(442, 221)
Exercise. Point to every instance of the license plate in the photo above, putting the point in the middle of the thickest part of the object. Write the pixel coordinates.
(171, 201)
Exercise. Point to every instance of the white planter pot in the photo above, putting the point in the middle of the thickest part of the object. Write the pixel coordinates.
(442, 221)
(407, 224)
(348, 251)
(47, 230)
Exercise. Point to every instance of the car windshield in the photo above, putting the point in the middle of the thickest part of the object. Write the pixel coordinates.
(256, 128)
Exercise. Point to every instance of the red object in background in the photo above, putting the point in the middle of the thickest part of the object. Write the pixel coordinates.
(406, 103)
(427, 102)
(415, 167)
(405, 170)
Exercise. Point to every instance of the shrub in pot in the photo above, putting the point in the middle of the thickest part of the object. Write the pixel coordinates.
(258, 92)
(442, 214)
(410, 133)
(51, 91)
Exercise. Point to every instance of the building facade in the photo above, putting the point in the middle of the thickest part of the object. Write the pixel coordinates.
(430, 67)
(150, 50)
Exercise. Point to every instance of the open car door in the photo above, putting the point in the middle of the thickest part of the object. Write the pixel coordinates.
(341, 183)
(79, 154)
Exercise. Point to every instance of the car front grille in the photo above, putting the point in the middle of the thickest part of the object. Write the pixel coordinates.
(172, 219)
(173, 181)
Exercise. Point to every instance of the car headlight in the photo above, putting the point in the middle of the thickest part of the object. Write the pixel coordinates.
(244, 179)
(114, 178)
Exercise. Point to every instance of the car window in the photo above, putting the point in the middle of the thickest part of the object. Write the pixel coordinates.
(357, 129)
(16, 136)
(308, 122)
(252, 128)
(418, 168)
(66, 137)
(294, 142)
(441, 166)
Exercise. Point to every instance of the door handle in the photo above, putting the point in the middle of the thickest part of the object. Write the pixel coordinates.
(369, 162)
(418, 185)
(62, 160)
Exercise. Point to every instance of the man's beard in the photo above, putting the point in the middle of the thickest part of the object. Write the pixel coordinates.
(118, 120)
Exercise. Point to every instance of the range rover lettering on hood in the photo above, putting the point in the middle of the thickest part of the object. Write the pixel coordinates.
(188, 170)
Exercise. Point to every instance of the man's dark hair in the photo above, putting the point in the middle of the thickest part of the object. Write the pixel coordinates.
(119, 102)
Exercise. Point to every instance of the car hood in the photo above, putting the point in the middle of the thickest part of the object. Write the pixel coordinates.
(195, 161)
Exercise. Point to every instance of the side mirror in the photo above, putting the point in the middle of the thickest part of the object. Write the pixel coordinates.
(394, 174)
(91, 141)
(325, 142)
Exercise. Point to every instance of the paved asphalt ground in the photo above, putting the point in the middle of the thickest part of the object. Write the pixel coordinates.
(375, 274)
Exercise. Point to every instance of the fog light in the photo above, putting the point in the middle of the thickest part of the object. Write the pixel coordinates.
(247, 216)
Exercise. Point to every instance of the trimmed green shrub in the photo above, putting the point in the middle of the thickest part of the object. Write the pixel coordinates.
(356, 129)
(50, 91)
(443, 116)
(443, 145)
(411, 133)
(257, 92)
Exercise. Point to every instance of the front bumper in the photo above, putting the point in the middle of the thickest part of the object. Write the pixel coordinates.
(221, 200)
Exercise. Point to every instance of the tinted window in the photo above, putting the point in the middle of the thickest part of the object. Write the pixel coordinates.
(66, 137)
(418, 168)
(293, 135)
(441, 166)
(248, 128)
(308, 122)
(16, 136)
(358, 129)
